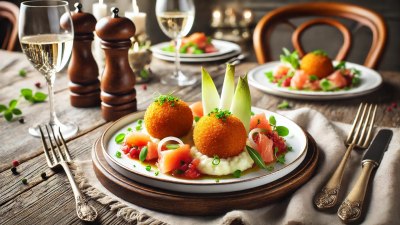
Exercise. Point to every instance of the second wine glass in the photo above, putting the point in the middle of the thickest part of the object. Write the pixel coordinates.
(176, 18)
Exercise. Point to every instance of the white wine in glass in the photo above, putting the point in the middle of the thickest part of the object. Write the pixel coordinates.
(176, 18)
(48, 47)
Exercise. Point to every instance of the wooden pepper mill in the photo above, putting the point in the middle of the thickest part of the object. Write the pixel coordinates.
(118, 94)
(83, 71)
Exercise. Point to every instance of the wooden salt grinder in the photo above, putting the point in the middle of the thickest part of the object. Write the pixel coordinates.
(118, 94)
(83, 72)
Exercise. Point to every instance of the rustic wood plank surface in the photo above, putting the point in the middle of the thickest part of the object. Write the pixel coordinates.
(51, 201)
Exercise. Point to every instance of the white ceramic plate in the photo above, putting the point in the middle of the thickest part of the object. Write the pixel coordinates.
(199, 60)
(224, 47)
(370, 81)
(136, 170)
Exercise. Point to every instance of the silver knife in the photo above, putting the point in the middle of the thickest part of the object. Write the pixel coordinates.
(350, 210)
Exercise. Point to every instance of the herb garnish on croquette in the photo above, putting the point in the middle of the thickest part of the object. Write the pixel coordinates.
(220, 114)
(167, 98)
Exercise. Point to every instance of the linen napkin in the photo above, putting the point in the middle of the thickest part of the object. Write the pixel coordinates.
(382, 204)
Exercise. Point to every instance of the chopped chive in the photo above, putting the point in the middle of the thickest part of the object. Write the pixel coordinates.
(196, 119)
(216, 180)
(118, 154)
(284, 105)
(148, 168)
(156, 173)
(216, 160)
(129, 129)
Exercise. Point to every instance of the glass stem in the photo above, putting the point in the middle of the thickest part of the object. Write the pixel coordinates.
(178, 43)
(50, 82)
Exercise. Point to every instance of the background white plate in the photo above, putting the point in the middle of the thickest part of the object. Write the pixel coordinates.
(223, 48)
(370, 81)
(199, 60)
(136, 170)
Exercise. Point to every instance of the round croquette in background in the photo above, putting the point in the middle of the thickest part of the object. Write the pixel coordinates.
(219, 137)
(169, 118)
(316, 64)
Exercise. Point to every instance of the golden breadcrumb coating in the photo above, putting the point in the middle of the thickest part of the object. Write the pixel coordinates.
(219, 137)
(168, 119)
(316, 64)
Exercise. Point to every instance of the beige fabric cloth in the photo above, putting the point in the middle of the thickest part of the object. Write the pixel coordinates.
(383, 196)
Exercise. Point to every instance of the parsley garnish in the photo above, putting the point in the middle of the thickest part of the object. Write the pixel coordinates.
(291, 58)
(270, 76)
(167, 98)
(22, 72)
(284, 105)
(340, 66)
(11, 110)
(220, 114)
(325, 85)
(281, 130)
(33, 97)
(237, 173)
(313, 78)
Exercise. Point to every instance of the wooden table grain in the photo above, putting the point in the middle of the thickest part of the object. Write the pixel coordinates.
(51, 201)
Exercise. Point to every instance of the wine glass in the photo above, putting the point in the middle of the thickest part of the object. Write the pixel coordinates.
(48, 47)
(175, 18)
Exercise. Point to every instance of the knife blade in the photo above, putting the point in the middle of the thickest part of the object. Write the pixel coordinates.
(378, 147)
(351, 208)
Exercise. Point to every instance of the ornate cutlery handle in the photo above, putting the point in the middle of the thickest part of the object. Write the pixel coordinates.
(350, 209)
(328, 195)
(84, 210)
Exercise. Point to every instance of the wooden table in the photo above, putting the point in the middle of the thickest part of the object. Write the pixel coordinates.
(51, 201)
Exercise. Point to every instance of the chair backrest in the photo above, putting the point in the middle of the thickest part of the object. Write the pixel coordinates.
(9, 12)
(327, 12)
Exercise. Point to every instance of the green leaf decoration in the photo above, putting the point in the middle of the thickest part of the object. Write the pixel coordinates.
(8, 115)
(16, 111)
(272, 120)
(3, 108)
(143, 154)
(120, 138)
(39, 97)
(282, 131)
(256, 157)
(12, 104)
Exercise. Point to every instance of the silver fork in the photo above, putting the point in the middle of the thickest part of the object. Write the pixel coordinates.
(57, 145)
(360, 137)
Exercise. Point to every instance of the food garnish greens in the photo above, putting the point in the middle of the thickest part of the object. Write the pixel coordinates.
(11, 110)
(216, 160)
(166, 99)
(284, 105)
(120, 138)
(33, 97)
(256, 157)
(237, 173)
(220, 114)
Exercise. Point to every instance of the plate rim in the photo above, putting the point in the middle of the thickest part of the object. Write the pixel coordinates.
(140, 113)
(315, 95)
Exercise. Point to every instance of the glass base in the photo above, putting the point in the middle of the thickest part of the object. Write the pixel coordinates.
(179, 79)
(67, 129)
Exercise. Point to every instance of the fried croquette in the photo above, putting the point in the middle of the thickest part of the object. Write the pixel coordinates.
(168, 116)
(317, 63)
(220, 135)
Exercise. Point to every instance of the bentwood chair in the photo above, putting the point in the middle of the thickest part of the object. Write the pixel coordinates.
(9, 19)
(327, 14)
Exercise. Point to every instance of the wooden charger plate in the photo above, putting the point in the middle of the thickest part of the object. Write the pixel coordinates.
(202, 204)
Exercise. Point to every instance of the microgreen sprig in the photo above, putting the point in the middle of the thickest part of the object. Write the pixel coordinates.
(220, 114)
(281, 130)
(290, 58)
(33, 97)
(11, 110)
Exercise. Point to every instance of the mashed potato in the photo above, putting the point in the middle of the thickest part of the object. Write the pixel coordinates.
(226, 166)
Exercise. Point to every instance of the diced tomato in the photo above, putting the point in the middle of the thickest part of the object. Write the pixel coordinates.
(126, 149)
(338, 79)
(315, 85)
(210, 49)
(286, 82)
(260, 121)
(281, 71)
(192, 172)
(170, 160)
(299, 79)
(278, 141)
(265, 148)
(197, 109)
(134, 152)
(151, 151)
(137, 139)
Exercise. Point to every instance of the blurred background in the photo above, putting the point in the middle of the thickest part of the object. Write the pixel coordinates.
(235, 20)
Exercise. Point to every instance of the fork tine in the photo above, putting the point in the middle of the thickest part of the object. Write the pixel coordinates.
(52, 151)
(364, 125)
(61, 139)
(355, 122)
(359, 125)
(368, 138)
(57, 143)
(45, 147)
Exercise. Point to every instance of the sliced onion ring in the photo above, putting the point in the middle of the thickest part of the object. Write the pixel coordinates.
(251, 134)
(165, 140)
